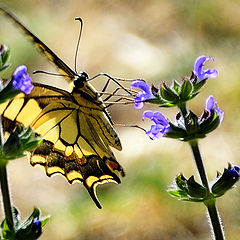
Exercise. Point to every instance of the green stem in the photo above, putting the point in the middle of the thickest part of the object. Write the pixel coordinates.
(6, 195)
(215, 221)
(210, 203)
(199, 163)
(183, 109)
(4, 183)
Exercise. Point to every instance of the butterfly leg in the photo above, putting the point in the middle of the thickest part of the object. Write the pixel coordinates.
(115, 80)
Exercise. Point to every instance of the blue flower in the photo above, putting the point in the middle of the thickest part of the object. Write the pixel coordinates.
(142, 96)
(211, 105)
(225, 181)
(161, 125)
(203, 74)
(37, 226)
(21, 80)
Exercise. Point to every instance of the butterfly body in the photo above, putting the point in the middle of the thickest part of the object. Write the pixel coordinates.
(75, 125)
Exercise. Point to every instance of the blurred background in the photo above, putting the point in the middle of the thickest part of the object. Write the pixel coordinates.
(158, 41)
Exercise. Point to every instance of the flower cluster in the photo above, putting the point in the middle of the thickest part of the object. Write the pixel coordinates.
(187, 126)
(177, 94)
(190, 190)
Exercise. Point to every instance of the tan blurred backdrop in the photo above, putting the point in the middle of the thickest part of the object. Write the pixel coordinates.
(156, 40)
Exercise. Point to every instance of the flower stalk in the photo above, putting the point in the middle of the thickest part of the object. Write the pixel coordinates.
(210, 202)
(5, 195)
(4, 184)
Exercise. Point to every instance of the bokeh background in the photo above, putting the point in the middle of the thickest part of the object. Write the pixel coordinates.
(156, 40)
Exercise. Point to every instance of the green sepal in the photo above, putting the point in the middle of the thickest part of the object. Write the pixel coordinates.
(168, 94)
(210, 124)
(186, 90)
(195, 189)
(176, 132)
(176, 87)
(26, 231)
(18, 142)
(4, 57)
(198, 86)
(187, 189)
(7, 230)
(8, 92)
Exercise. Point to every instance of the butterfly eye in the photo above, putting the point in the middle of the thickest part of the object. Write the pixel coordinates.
(80, 79)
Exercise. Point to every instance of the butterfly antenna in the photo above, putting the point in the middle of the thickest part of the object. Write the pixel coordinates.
(78, 42)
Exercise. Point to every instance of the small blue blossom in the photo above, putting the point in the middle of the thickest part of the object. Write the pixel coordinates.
(21, 80)
(232, 173)
(203, 74)
(225, 181)
(37, 226)
(161, 124)
(211, 105)
(142, 96)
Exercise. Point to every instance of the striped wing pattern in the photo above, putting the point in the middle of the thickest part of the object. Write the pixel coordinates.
(76, 143)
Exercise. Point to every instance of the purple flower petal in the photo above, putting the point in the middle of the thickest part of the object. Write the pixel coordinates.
(21, 80)
(161, 125)
(211, 105)
(141, 96)
(141, 84)
(147, 114)
(203, 74)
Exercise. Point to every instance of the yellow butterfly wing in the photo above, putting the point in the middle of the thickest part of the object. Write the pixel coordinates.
(76, 128)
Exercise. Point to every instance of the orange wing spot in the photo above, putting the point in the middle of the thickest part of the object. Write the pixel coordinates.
(82, 160)
(112, 165)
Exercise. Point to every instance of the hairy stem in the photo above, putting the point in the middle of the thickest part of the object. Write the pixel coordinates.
(4, 183)
(210, 203)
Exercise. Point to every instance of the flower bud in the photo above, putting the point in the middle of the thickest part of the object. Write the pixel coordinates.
(225, 181)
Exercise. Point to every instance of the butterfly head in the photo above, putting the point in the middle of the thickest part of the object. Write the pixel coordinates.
(80, 79)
